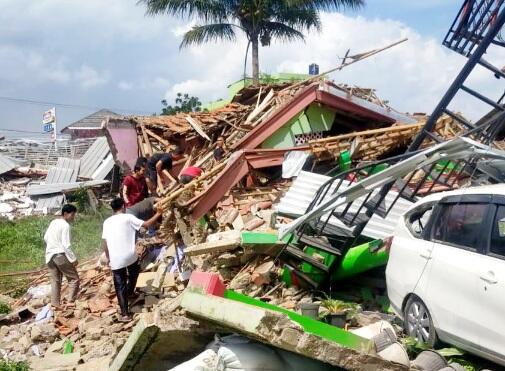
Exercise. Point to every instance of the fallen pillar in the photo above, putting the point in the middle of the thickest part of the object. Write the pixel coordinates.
(162, 340)
(272, 325)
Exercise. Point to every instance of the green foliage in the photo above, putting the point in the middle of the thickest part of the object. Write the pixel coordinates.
(335, 306)
(4, 308)
(80, 197)
(183, 103)
(22, 245)
(13, 366)
(412, 346)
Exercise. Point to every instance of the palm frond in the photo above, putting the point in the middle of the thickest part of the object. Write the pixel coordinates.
(299, 18)
(327, 5)
(281, 31)
(205, 10)
(211, 32)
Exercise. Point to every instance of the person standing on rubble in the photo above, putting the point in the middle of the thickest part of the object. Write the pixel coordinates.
(134, 185)
(157, 163)
(220, 151)
(60, 259)
(118, 238)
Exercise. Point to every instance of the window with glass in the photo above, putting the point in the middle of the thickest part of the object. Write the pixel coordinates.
(497, 244)
(460, 224)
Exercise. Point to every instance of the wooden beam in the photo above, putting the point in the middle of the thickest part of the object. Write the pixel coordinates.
(197, 127)
(149, 148)
(157, 137)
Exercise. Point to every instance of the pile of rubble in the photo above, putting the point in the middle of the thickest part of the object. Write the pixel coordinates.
(13, 200)
(31, 189)
(236, 240)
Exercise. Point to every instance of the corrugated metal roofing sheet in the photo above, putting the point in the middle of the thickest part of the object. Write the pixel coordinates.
(65, 171)
(93, 121)
(97, 162)
(7, 164)
(304, 188)
(44, 189)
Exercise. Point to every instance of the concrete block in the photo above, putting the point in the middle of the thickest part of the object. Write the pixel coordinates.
(290, 337)
(55, 361)
(277, 329)
(212, 247)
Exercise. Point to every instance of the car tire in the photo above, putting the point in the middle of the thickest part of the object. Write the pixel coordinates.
(417, 322)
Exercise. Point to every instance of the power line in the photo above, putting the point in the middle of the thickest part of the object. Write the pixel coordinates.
(67, 105)
(22, 131)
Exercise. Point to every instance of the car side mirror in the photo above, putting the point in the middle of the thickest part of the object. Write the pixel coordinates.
(501, 227)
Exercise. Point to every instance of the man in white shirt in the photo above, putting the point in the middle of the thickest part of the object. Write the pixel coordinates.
(60, 258)
(118, 236)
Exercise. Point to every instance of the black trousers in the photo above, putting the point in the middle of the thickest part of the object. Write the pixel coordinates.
(125, 280)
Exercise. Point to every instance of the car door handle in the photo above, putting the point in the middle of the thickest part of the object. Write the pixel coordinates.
(426, 256)
(491, 280)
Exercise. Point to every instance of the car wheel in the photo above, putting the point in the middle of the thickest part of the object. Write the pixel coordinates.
(418, 323)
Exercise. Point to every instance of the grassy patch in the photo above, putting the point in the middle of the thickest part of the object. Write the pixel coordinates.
(13, 366)
(4, 308)
(22, 246)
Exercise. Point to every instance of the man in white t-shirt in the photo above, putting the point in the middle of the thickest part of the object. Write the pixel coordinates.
(60, 258)
(118, 236)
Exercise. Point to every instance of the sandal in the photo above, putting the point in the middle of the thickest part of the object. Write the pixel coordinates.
(125, 318)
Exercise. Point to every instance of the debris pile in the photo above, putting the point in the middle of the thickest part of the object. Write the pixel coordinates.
(13, 200)
(34, 189)
(222, 221)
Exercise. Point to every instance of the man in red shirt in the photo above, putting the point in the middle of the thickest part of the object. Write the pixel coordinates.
(189, 173)
(135, 186)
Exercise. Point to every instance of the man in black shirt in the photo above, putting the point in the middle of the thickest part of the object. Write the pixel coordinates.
(157, 163)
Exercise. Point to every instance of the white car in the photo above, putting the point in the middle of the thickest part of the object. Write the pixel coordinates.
(446, 270)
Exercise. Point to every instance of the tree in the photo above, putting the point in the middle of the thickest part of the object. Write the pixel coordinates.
(260, 20)
(183, 103)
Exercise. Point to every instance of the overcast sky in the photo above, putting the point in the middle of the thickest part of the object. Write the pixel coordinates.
(108, 54)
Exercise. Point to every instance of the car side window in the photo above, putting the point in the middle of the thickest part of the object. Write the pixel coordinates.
(497, 246)
(417, 220)
(460, 224)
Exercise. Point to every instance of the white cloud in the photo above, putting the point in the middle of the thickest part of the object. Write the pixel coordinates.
(88, 77)
(125, 85)
(413, 76)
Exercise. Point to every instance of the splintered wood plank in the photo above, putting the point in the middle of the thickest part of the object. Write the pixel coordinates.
(197, 127)
(149, 149)
(157, 137)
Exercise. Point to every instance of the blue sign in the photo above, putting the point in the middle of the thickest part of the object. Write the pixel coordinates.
(48, 128)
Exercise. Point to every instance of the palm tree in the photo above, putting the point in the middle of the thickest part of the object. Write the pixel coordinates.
(260, 20)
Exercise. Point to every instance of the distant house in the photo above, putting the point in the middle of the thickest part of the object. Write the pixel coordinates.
(89, 126)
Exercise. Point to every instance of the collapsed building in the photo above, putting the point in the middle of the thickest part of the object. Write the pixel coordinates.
(313, 179)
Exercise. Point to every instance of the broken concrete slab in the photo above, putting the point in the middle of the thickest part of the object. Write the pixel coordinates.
(160, 276)
(266, 243)
(277, 329)
(55, 361)
(162, 342)
(222, 236)
(145, 281)
(96, 364)
(262, 273)
(212, 247)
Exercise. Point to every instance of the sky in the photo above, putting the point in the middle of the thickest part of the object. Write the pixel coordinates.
(92, 54)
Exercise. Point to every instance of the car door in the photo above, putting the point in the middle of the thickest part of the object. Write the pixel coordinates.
(452, 283)
(491, 288)
(410, 252)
